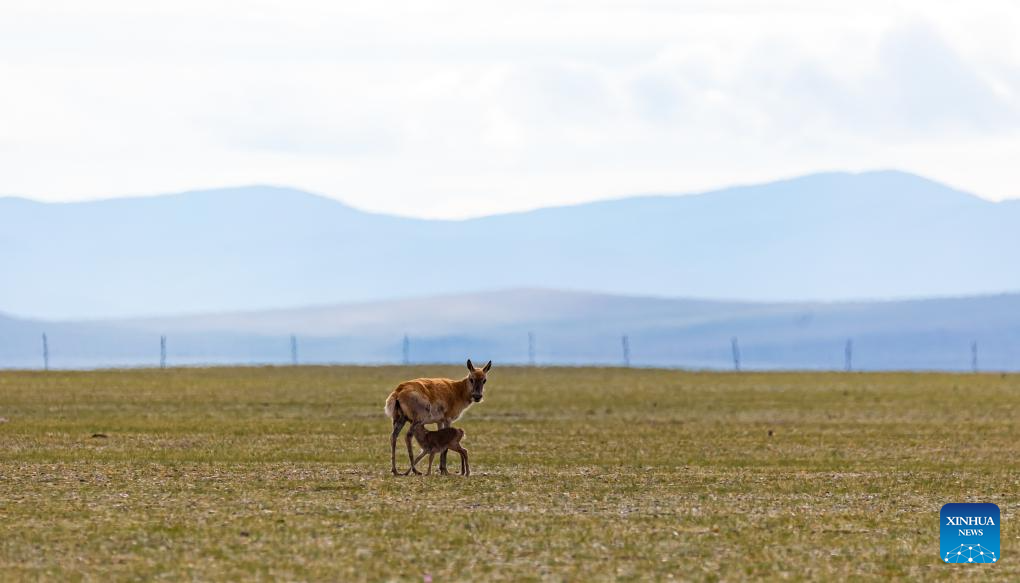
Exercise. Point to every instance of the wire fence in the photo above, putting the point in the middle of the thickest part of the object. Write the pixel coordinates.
(709, 354)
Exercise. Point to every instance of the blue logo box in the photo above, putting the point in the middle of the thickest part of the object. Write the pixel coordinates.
(969, 533)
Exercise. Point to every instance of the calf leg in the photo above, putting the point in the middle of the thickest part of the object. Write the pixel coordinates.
(398, 424)
(465, 467)
(431, 455)
(442, 457)
(416, 460)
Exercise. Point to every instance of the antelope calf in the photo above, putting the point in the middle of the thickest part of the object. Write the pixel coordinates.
(439, 401)
(433, 442)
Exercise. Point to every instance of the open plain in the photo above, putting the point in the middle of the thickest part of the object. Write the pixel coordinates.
(577, 474)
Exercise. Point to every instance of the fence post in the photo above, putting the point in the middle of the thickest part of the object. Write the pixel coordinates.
(735, 347)
(531, 349)
(848, 355)
(626, 350)
(407, 350)
(162, 352)
(973, 356)
(293, 350)
(45, 352)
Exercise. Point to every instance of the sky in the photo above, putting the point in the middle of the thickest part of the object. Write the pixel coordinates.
(458, 109)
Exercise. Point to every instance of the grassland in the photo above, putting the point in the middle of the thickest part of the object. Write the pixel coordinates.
(579, 474)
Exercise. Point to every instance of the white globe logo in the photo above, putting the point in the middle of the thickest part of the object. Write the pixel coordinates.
(970, 554)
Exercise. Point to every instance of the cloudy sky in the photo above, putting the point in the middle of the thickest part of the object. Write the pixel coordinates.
(452, 109)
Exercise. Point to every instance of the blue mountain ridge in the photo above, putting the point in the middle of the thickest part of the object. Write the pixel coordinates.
(823, 237)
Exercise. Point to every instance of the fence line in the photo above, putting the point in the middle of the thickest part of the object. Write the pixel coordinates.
(626, 361)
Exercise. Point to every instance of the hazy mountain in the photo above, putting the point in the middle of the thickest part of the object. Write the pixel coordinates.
(568, 328)
(821, 237)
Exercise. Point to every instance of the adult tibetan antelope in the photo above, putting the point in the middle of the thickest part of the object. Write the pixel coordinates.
(439, 401)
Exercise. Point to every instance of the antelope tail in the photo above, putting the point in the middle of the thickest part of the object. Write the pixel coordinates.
(392, 406)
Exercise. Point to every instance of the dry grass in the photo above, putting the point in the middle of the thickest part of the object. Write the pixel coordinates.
(579, 474)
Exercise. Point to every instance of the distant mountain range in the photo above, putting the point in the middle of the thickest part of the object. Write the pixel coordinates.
(566, 328)
(822, 237)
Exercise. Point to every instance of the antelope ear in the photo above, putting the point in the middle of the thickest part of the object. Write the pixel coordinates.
(487, 366)
(470, 366)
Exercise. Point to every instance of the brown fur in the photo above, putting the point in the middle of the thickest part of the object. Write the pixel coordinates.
(433, 442)
(439, 401)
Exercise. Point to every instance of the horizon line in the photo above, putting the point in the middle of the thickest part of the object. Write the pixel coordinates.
(607, 199)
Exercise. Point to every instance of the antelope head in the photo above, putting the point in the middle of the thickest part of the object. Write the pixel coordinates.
(476, 379)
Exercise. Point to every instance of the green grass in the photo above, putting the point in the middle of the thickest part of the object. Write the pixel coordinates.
(578, 474)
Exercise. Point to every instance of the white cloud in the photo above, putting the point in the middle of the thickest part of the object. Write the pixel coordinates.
(457, 108)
